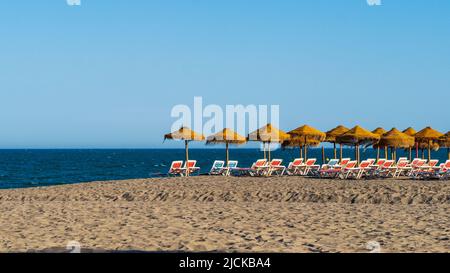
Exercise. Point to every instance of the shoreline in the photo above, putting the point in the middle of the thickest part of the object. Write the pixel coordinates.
(228, 214)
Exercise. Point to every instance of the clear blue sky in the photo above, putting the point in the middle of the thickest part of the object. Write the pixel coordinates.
(107, 73)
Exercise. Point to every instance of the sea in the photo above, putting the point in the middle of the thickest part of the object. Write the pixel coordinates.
(37, 168)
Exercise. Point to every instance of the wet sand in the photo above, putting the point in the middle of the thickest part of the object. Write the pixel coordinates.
(287, 214)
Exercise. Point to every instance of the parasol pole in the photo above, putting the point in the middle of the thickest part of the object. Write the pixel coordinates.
(417, 149)
(323, 155)
(335, 151)
(306, 149)
(341, 151)
(429, 150)
(410, 154)
(423, 153)
(186, 144)
(356, 152)
(359, 154)
(228, 155)
(269, 150)
(378, 153)
(448, 153)
(264, 149)
(386, 154)
(301, 150)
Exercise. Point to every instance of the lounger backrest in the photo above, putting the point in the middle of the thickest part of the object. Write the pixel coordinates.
(351, 164)
(381, 162)
(333, 162)
(276, 162)
(433, 162)
(371, 161)
(311, 161)
(175, 165)
(217, 165)
(345, 161)
(447, 164)
(402, 164)
(232, 164)
(388, 163)
(191, 163)
(260, 163)
(364, 164)
(421, 163)
(297, 162)
(402, 159)
(415, 161)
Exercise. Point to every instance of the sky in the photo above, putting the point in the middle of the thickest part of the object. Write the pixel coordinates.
(106, 74)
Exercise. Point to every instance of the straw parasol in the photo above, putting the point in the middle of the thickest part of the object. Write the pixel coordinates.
(396, 139)
(429, 136)
(228, 137)
(268, 134)
(331, 137)
(411, 132)
(380, 131)
(444, 141)
(305, 136)
(187, 135)
(357, 136)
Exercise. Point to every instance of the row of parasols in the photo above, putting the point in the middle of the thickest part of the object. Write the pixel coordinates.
(307, 136)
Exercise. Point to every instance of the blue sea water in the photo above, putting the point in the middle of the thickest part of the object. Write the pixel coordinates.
(30, 168)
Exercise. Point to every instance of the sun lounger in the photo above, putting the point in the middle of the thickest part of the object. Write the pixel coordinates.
(309, 167)
(331, 164)
(344, 171)
(431, 170)
(444, 171)
(256, 169)
(192, 167)
(217, 167)
(176, 168)
(274, 167)
(378, 164)
(416, 168)
(294, 167)
(385, 169)
(401, 168)
(357, 172)
(331, 169)
(371, 161)
(232, 165)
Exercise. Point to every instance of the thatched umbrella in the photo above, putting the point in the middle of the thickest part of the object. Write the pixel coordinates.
(268, 134)
(357, 136)
(331, 137)
(380, 131)
(396, 139)
(187, 135)
(429, 136)
(411, 132)
(444, 141)
(304, 137)
(228, 137)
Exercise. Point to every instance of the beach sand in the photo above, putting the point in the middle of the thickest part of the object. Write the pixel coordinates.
(287, 214)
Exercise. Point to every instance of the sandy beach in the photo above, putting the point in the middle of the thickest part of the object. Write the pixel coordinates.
(287, 214)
